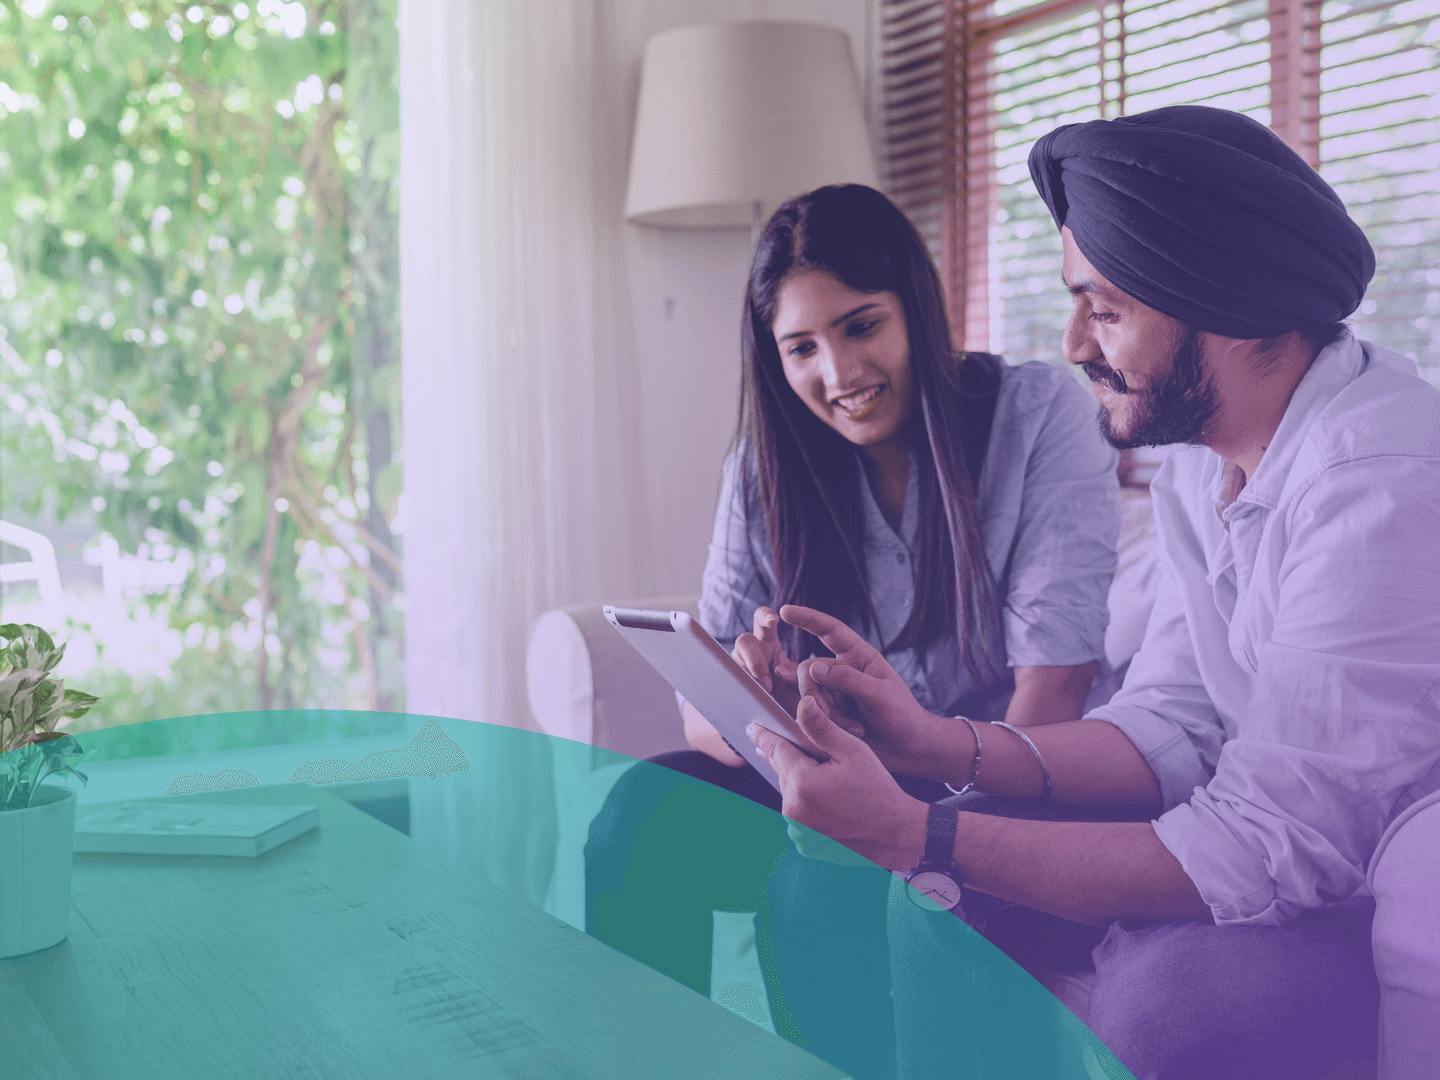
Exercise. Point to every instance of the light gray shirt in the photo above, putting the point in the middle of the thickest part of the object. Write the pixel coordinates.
(1049, 515)
(1285, 695)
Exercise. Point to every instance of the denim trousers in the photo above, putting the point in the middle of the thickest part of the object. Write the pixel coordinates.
(652, 889)
(857, 975)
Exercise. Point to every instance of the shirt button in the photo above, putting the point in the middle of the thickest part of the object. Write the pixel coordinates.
(899, 556)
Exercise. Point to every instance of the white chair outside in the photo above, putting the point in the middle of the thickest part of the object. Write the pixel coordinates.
(41, 568)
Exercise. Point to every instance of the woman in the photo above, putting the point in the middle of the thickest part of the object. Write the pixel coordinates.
(961, 512)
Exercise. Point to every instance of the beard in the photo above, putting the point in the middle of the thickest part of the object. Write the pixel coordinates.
(1177, 407)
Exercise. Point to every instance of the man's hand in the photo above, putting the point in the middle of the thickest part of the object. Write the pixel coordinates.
(865, 690)
(849, 797)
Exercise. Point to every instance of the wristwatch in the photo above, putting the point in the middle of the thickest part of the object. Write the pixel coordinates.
(935, 881)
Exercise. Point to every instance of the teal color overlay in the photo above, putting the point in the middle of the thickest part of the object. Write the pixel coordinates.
(359, 949)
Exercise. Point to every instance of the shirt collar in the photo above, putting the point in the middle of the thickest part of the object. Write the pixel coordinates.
(1333, 369)
(875, 522)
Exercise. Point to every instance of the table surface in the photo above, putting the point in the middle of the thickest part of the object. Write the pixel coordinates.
(350, 951)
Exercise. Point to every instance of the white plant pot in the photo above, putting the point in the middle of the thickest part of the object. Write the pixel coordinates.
(36, 849)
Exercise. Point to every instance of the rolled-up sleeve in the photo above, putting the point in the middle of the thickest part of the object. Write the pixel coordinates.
(1344, 725)
(736, 580)
(1164, 708)
(1063, 558)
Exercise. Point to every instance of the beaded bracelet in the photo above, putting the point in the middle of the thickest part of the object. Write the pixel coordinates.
(974, 765)
(1046, 791)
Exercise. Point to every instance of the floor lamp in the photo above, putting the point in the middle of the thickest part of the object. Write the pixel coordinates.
(734, 118)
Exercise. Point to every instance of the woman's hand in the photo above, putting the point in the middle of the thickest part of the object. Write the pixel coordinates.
(865, 690)
(761, 654)
(849, 797)
(702, 736)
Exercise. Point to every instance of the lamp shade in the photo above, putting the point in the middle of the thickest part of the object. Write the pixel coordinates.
(736, 114)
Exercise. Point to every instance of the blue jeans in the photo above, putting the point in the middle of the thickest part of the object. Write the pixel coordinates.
(658, 867)
(1172, 1001)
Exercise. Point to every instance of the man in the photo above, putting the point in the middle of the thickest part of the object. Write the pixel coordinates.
(1285, 704)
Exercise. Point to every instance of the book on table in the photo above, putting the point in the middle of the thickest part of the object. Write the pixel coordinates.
(166, 827)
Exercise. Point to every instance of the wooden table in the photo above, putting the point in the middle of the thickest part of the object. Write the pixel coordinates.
(348, 952)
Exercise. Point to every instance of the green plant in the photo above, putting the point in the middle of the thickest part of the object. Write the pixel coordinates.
(32, 704)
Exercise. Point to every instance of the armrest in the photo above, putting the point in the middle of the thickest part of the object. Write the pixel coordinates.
(1405, 877)
(587, 684)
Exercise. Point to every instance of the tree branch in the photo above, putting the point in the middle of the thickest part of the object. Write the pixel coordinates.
(310, 523)
(306, 483)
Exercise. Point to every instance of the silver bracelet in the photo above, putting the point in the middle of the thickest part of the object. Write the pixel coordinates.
(974, 765)
(1046, 791)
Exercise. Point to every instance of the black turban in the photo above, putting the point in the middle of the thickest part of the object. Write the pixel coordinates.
(1207, 216)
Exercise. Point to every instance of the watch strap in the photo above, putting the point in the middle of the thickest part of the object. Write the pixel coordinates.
(940, 824)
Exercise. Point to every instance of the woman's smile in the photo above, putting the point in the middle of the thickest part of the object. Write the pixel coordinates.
(861, 404)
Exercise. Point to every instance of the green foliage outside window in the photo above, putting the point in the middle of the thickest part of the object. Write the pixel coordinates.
(199, 310)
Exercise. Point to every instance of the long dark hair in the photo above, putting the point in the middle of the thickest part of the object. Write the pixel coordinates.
(809, 484)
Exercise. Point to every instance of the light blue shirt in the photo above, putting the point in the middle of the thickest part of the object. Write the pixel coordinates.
(1049, 514)
(1287, 694)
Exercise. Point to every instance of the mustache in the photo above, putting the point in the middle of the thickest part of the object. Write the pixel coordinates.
(1106, 376)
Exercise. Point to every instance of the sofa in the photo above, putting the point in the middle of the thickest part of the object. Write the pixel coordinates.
(586, 684)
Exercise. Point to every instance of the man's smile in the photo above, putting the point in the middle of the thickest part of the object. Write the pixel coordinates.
(1106, 377)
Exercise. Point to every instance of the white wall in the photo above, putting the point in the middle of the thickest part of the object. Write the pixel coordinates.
(686, 288)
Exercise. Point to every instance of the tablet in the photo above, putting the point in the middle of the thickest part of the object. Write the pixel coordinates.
(723, 692)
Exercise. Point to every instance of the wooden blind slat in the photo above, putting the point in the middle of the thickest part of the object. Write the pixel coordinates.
(914, 91)
(1380, 100)
(1360, 155)
(1139, 37)
(922, 47)
(1385, 28)
(896, 14)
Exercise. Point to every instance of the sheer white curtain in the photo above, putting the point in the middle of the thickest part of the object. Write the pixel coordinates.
(544, 404)
(520, 366)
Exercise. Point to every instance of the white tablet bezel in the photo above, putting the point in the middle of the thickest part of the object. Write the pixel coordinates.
(694, 663)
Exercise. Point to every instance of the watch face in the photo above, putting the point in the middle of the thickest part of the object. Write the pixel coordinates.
(934, 890)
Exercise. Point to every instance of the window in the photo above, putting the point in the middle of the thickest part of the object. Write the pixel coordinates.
(198, 339)
(1377, 113)
(967, 87)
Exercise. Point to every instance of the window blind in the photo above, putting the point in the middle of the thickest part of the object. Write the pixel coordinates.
(1035, 70)
(967, 86)
(1377, 108)
(919, 105)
